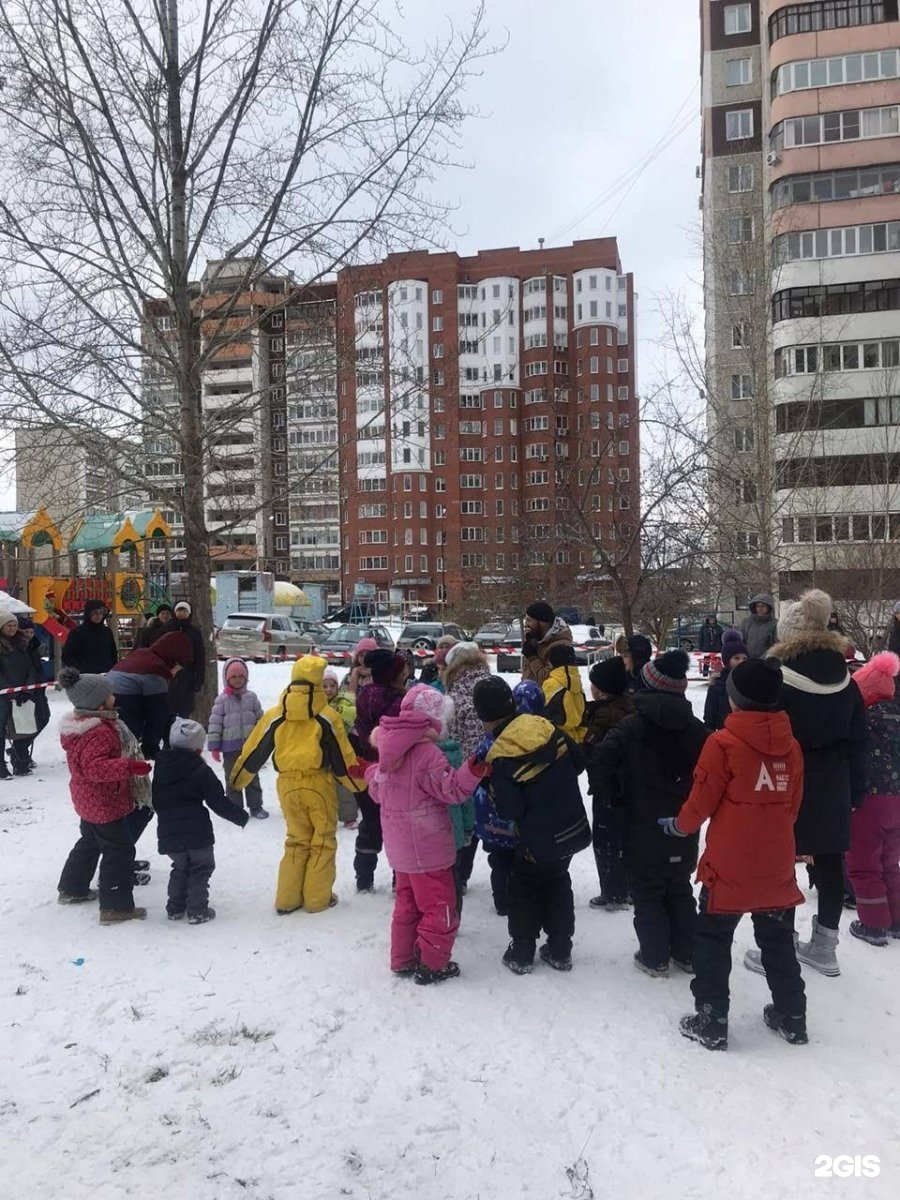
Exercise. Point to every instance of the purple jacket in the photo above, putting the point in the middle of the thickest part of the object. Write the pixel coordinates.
(414, 784)
(373, 702)
(233, 719)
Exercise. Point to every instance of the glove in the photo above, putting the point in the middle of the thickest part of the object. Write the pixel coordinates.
(529, 650)
(139, 767)
(669, 826)
(216, 755)
(479, 769)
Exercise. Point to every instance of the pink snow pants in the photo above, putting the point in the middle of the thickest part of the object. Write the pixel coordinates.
(425, 919)
(873, 861)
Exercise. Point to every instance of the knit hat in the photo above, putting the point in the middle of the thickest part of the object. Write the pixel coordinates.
(6, 616)
(732, 644)
(330, 673)
(755, 685)
(87, 692)
(440, 655)
(235, 662)
(610, 676)
(187, 735)
(529, 698)
(385, 665)
(493, 699)
(562, 655)
(876, 680)
(173, 648)
(640, 648)
(363, 646)
(463, 653)
(808, 614)
(428, 700)
(668, 673)
(541, 611)
(183, 606)
(164, 606)
(92, 606)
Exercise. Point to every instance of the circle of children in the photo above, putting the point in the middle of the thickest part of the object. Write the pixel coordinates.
(797, 761)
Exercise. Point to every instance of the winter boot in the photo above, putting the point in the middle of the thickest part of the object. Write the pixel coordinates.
(819, 951)
(66, 898)
(5, 772)
(706, 1027)
(606, 904)
(552, 960)
(868, 933)
(200, 918)
(141, 864)
(141, 878)
(176, 916)
(517, 963)
(684, 964)
(753, 958)
(425, 975)
(115, 916)
(406, 972)
(261, 814)
(894, 930)
(660, 972)
(792, 1029)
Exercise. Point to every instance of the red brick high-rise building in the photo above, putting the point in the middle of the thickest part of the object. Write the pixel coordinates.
(488, 422)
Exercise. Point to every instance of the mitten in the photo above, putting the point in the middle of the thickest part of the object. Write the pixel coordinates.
(139, 767)
(479, 769)
(216, 755)
(529, 650)
(669, 826)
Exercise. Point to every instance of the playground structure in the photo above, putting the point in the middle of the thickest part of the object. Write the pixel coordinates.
(122, 559)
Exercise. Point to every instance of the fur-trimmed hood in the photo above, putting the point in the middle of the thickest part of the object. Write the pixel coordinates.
(807, 642)
(813, 661)
(73, 725)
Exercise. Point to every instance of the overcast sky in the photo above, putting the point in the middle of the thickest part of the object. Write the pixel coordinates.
(582, 94)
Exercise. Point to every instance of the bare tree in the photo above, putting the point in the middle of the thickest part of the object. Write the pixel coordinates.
(139, 142)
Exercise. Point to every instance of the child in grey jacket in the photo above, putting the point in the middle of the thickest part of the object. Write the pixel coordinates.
(234, 716)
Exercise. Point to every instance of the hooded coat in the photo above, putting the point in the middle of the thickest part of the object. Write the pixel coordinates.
(102, 782)
(710, 639)
(302, 735)
(534, 782)
(233, 717)
(537, 668)
(415, 784)
(189, 681)
(91, 648)
(373, 702)
(749, 784)
(828, 720)
(465, 725)
(183, 786)
(760, 633)
(646, 763)
(564, 701)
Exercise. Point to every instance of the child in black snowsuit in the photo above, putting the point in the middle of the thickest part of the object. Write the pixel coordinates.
(534, 782)
(183, 785)
(609, 706)
(647, 763)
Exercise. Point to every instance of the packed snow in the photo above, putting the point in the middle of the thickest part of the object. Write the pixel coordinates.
(276, 1058)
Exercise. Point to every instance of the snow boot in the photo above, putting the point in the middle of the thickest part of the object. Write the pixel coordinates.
(868, 933)
(753, 958)
(660, 972)
(141, 864)
(283, 912)
(115, 916)
(425, 975)
(141, 878)
(606, 904)
(176, 916)
(894, 930)
(66, 898)
(792, 1029)
(406, 972)
(200, 918)
(553, 960)
(5, 772)
(516, 964)
(706, 1027)
(819, 951)
(260, 814)
(684, 964)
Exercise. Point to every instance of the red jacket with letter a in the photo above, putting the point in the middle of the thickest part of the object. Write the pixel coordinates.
(749, 783)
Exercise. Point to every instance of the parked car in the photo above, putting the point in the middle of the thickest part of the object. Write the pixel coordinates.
(589, 645)
(338, 646)
(494, 634)
(509, 653)
(425, 635)
(361, 612)
(262, 637)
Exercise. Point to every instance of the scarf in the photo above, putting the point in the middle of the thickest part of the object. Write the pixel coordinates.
(129, 747)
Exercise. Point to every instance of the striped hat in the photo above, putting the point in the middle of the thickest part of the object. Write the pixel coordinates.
(668, 673)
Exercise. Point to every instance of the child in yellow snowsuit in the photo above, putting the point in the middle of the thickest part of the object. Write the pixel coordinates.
(310, 750)
(563, 693)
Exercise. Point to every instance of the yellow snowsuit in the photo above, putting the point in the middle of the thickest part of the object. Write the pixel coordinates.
(564, 698)
(308, 745)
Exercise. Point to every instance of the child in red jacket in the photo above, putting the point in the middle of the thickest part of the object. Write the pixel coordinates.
(749, 783)
(108, 780)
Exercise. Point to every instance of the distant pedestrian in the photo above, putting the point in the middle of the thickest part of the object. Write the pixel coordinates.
(760, 629)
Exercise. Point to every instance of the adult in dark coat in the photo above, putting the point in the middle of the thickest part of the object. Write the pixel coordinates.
(646, 763)
(892, 636)
(91, 648)
(828, 720)
(159, 623)
(188, 682)
(20, 664)
(760, 629)
(609, 706)
(710, 635)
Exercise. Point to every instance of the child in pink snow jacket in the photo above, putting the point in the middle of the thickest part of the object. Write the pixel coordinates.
(233, 718)
(414, 785)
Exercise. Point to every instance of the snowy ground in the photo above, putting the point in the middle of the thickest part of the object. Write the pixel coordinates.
(274, 1058)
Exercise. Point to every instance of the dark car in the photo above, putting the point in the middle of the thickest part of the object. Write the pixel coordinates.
(494, 634)
(339, 646)
(425, 635)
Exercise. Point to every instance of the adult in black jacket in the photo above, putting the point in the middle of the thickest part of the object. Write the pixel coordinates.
(189, 681)
(534, 782)
(159, 623)
(20, 664)
(183, 786)
(91, 648)
(828, 720)
(710, 636)
(609, 706)
(647, 763)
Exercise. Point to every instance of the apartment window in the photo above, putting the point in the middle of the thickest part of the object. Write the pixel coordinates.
(849, 184)
(739, 124)
(738, 283)
(738, 18)
(829, 72)
(741, 387)
(740, 336)
(841, 299)
(594, 391)
(837, 356)
(740, 229)
(850, 240)
(747, 543)
(280, 520)
(622, 366)
(437, 378)
(738, 72)
(821, 128)
(740, 179)
(276, 345)
(743, 439)
(828, 14)
(437, 296)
